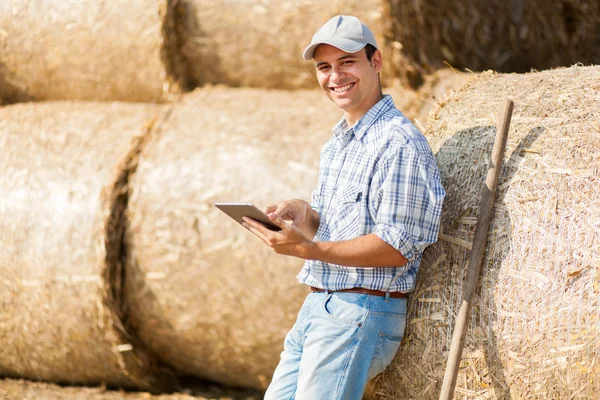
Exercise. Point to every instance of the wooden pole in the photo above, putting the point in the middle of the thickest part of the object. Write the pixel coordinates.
(486, 207)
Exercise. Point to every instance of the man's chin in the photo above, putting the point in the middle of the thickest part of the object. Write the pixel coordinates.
(340, 102)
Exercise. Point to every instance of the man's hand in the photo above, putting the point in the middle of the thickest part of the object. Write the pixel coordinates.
(290, 210)
(289, 241)
(299, 212)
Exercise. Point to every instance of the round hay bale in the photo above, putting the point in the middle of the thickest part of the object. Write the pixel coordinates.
(508, 36)
(207, 296)
(259, 43)
(63, 316)
(534, 331)
(92, 50)
(416, 104)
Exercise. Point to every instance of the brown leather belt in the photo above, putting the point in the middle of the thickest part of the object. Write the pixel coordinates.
(393, 295)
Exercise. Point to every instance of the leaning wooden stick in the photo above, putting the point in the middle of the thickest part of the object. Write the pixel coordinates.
(486, 207)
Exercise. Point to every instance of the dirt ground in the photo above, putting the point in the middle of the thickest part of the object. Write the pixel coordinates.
(12, 389)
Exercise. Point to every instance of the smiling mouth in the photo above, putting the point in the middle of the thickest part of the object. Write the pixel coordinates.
(342, 89)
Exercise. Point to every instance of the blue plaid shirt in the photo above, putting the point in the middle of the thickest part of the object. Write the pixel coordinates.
(380, 177)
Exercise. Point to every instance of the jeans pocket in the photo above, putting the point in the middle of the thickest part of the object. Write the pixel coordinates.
(346, 309)
(386, 349)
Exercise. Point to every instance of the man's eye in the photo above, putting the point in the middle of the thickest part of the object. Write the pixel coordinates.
(348, 62)
(323, 67)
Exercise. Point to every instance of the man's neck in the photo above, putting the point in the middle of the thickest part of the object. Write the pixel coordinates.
(352, 117)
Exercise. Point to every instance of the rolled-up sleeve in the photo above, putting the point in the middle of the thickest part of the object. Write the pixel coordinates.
(407, 197)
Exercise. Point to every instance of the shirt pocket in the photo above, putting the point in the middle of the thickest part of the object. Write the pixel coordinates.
(347, 203)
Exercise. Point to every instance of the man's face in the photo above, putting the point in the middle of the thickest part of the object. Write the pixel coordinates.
(348, 79)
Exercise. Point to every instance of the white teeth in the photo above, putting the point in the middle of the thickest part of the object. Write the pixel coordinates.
(342, 89)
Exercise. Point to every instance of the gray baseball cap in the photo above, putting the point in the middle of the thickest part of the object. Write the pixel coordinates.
(345, 32)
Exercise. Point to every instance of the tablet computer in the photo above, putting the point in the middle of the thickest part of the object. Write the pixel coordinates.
(239, 210)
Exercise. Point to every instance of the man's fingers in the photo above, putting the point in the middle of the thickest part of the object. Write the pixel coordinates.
(277, 220)
(291, 210)
(282, 209)
(290, 214)
(257, 229)
(270, 209)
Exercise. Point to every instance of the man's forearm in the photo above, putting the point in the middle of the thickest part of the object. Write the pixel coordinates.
(364, 251)
(367, 251)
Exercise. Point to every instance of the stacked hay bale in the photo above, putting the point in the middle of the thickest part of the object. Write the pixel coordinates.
(206, 295)
(98, 50)
(62, 316)
(259, 43)
(86, 302)
(510, 36)
(149, 51)
(534, 330)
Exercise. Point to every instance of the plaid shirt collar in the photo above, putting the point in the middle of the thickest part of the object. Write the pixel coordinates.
(344, 134)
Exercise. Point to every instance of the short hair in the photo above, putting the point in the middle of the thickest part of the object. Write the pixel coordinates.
(370, 50)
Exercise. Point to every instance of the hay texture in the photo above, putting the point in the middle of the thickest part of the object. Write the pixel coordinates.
(534, 331)
(62, 316)
(206, 295)
(92, 50)
(259, 43)
(508, 36)
(417, 104)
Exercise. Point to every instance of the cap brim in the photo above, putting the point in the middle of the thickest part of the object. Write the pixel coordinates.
(347, 45)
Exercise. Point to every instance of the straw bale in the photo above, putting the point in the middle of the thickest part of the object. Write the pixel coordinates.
(507, 36)
(206, 295)
(259, 43)
(416, 104)
(61, 315)
(92, 50)
(534, 331)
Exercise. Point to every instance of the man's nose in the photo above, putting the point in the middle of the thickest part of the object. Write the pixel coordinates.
(337, 75)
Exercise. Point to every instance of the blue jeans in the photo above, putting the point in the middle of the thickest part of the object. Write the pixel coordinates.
(339, 341)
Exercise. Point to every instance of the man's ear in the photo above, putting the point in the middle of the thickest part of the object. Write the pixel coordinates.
(377, 60)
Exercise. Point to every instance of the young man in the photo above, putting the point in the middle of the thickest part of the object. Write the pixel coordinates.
(376, 207)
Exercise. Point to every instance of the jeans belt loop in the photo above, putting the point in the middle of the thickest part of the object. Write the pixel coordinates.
(387, 296)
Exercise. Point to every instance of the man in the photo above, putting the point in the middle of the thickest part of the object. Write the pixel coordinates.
(376, 207)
